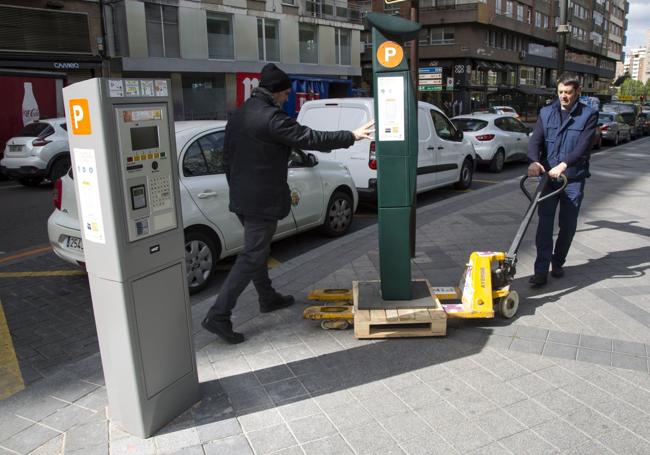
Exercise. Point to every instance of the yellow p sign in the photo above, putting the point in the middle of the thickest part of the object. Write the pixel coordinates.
(80, 116)
(390, 54)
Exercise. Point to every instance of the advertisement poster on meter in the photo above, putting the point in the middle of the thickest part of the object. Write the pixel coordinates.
(390, 109)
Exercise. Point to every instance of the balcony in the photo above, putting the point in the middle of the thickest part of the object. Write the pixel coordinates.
(335, 10)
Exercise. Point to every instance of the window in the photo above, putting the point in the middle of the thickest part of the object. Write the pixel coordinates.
(499, 7)
(268, 40)
(308, 43)
(442, 35)
(342, 44)
(509, 8)
(162, 30)
(205, 156)
(538, 19)
(444, 128)
(520, 13)
(220, 43)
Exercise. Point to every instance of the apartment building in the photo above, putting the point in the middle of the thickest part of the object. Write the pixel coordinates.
(212, 50)
(496, 52)
(636, 64)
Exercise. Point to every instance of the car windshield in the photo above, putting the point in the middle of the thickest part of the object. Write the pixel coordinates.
(469, 124)
(604, 118)
(33, 129)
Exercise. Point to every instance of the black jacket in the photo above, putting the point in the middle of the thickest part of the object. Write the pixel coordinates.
(258, 142)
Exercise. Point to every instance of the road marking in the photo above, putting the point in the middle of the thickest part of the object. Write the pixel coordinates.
(41, 274)
(25, 253)
(11, 379)
(486, 181)
(10, 186)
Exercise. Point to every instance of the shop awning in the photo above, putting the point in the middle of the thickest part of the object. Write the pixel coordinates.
(481, 65)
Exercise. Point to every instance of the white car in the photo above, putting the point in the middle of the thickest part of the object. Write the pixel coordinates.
(445, 157)
(497, 138)
(39, 151)
(322, 194)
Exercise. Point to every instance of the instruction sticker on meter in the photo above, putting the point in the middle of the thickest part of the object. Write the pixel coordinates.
(390, 108)
(87, 183)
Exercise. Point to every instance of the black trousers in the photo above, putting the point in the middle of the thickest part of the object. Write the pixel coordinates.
(251, 265)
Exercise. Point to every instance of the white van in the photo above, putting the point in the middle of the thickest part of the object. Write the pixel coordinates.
(445, 157)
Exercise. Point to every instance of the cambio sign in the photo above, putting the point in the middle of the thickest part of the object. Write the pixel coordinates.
(67, 66)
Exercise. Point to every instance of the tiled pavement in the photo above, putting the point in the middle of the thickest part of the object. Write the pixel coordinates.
(568, 375)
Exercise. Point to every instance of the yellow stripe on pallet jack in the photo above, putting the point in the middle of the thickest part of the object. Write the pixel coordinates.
(41, 274)
(11, 379)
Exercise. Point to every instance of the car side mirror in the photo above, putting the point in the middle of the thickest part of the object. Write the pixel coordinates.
(312, 160)
(459, 135)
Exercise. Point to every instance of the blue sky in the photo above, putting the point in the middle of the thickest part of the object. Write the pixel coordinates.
(639, 23)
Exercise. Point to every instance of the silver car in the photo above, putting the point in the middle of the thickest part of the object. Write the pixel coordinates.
(39, 151)
(613, 128)
(497, 138)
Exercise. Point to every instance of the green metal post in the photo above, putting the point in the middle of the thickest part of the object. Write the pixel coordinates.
(397, 150)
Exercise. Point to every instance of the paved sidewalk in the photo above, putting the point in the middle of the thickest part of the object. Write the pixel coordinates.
(568, 375)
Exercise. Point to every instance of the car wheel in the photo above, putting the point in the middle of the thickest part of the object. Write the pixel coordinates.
(59, 168)
(499, 158)
(201, 256)
(339, 214)
(466, 175)
(30, 181)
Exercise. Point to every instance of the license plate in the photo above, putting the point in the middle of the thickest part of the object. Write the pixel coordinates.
(15, 148)
(74, 243)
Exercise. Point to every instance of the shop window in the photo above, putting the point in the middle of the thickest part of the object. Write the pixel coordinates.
(204, 97)
(308, 43)
(220, 41)
(268, 39)
(342, 44)
(162, 30)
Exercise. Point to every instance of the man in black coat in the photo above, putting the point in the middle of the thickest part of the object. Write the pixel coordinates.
(258, 142)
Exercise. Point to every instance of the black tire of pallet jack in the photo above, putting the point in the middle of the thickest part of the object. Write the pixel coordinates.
(509, 304)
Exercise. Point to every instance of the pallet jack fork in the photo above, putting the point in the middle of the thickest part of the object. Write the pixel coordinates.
(485, 283)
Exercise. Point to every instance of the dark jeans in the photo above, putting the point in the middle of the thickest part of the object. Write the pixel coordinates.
(569, 200)
(251, 264)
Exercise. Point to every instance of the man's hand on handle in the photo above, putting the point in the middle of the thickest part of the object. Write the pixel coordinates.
(366, 131)
(536, 169)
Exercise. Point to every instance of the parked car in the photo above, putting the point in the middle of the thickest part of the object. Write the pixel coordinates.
(613, 127)
(39, 151)
(323, 195)
(445, 156)
(630, 114)
(498, 138)
(644, 122)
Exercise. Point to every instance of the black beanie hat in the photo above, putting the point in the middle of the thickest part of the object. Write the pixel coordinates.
(274, 79)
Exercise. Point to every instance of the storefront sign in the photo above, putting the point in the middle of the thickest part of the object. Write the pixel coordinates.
(430, 69)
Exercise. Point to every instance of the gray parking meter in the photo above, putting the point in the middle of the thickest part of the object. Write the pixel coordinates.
(126, 181)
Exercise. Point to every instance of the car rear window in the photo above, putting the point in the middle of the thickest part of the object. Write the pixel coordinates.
(469, 124)
(605, 118)
(33, 129)
(628, 117)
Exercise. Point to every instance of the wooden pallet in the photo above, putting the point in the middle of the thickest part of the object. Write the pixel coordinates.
(402, 322)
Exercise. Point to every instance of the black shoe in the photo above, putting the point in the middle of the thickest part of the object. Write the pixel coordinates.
(223, 329)
(557, 271)
(281, 301)
(537, 280)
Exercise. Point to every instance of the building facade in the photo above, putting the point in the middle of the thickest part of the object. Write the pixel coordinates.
(635, 64)
(494, 52)
(213, 50)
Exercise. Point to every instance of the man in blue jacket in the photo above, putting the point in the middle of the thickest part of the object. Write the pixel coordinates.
(560, 144)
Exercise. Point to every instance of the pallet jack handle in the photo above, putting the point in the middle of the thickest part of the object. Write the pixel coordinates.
(535, 199)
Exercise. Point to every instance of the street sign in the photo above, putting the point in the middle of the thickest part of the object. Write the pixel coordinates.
(430, 69)
(430, 82)
(430, 88)
(450, 83)
(430, 76)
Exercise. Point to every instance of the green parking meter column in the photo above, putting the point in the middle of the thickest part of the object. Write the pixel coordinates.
(395, 114)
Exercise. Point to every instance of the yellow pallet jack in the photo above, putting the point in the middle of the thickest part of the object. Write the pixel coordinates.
(485, 284)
